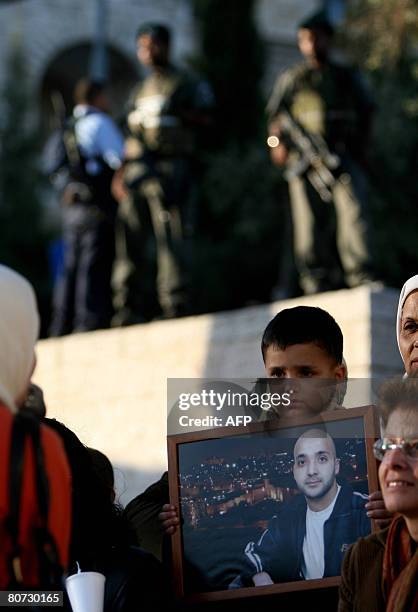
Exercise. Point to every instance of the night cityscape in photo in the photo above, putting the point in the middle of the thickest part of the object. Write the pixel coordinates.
(247, 488)
(230, 488)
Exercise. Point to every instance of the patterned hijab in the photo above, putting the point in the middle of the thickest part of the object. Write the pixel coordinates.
(19, 329)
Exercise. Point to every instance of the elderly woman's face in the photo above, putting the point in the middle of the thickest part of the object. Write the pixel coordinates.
(398, 473)
(408, 334)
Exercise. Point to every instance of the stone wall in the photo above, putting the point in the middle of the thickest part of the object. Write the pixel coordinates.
(48, 27)
(110, 386)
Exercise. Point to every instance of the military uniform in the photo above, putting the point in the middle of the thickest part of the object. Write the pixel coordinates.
(158, 216)
(331, 245)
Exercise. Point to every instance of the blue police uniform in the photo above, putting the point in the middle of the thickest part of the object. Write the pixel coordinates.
(82, 299)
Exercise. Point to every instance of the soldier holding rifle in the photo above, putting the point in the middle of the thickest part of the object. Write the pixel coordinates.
(319, 122)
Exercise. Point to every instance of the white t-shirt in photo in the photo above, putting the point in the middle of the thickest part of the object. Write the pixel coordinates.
(313, 564)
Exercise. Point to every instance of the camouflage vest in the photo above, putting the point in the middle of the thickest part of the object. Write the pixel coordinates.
(329, 102)
(156, 119)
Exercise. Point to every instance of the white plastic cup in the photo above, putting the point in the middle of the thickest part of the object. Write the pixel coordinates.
(86, 591)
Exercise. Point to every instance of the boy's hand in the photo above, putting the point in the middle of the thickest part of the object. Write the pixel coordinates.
(376, 510)
(169, 519)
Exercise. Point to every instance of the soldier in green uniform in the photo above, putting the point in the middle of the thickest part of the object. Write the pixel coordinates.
(156, 187)
(327, 110)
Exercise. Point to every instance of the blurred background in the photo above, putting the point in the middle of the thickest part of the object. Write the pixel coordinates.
(239, 46)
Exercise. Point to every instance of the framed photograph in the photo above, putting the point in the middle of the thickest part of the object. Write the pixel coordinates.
(271, 507)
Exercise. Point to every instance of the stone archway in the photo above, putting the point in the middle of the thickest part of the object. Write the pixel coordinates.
(71, 64)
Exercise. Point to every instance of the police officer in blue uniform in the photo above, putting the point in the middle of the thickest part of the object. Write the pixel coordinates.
(91, 150)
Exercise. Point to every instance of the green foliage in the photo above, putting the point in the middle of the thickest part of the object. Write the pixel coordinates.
(383, 32)
(239, 247)
(384, 35)
(238, 250)
(22, 244)
(232, 61)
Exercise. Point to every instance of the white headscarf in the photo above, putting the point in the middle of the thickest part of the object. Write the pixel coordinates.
(410, 286)
(19, 329)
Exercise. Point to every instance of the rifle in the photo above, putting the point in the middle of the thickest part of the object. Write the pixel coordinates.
(59, 112)
(54, 155)
(316, 161)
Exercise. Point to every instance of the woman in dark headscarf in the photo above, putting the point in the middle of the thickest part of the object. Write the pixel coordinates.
(101, 536)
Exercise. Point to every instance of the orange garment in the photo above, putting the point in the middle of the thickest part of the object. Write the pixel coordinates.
(59, 515)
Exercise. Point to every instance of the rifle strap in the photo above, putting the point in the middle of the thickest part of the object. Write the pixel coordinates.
(70, 144)
(27, 426)
(15, 491)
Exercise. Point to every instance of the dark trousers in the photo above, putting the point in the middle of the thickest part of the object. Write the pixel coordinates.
(82, 298)
(154, 243)
(331, 239)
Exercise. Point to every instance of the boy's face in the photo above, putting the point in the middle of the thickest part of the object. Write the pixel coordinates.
(310, 375)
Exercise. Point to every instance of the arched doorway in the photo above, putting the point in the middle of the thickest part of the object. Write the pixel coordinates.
(70, 65)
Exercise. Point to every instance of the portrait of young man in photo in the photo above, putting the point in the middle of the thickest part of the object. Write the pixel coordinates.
(309, 536)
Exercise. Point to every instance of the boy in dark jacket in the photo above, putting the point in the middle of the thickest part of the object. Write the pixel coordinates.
(299, 344)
